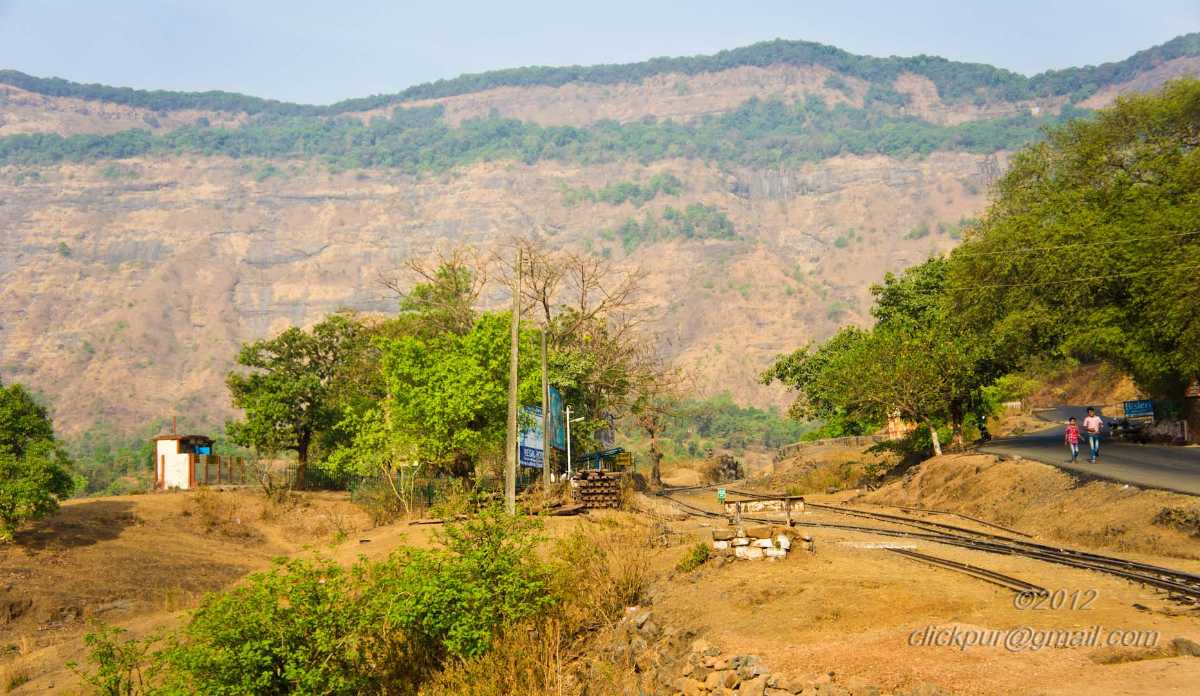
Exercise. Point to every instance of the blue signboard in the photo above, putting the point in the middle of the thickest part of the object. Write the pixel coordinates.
(530, 446)
(1142, 408)
(558, 436)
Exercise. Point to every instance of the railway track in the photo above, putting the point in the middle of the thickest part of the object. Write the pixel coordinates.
(1180, 586)
(1008, 582)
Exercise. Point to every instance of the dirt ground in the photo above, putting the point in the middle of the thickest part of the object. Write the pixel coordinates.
(856, 610)
(849, 608)
(140, 562)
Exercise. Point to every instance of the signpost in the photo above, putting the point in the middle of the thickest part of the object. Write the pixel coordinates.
(721, 495)
(532, 445)
(1139, 410)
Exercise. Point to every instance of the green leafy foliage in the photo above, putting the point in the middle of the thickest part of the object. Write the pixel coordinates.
(696, 221)
(447, 394)
(1090, 248)
(954, 80)
(758, 133)
(695, 426)
(456, 601)
(290, 396)
(696, 556)
(312, 626)
(34, 469)
(619, 192)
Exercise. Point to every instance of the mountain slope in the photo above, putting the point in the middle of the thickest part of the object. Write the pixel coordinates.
(147, 234)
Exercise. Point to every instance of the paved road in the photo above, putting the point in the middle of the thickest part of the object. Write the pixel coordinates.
(1150, 466)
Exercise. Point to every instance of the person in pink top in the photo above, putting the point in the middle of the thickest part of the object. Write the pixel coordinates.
(1094, 428)
(1072, 437)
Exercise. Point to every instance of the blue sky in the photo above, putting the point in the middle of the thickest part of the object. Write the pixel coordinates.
(318, 52)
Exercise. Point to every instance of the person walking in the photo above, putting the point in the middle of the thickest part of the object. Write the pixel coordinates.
(1072, 438)
(1095, 428)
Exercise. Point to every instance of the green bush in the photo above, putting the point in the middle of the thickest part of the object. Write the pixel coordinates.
(311, 626)
(696, 557)
(454, 602)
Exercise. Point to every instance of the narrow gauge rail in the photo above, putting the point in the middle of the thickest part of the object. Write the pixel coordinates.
(1121, 563)
(1183, 586)
(1006, 581)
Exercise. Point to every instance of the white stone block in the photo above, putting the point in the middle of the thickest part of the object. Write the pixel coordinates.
(784, 541)
(753, 553)
(764, 543)
(740, 541)
(775, 553)
(720, 545)
(741, 551)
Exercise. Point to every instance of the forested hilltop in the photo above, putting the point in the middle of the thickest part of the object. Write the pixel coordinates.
(761, 191)
(954, 80)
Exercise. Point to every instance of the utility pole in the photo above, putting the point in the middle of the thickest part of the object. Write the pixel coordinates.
(568, 420)
(545, 416)
(510, 464)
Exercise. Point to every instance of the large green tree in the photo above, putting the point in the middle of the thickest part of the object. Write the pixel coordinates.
(34, 473)
(447, 395)
(295, 387)
(1091, 246)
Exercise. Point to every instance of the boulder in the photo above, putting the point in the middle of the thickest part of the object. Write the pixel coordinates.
(1186, 647)
(753, 553)
(724, 679)
(722, 534)
(740, 541)
(754, 687)
(759, 532)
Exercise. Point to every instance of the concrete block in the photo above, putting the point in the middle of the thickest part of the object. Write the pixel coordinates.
(783, 541)
(753, 553)
(763, 543)
(775, 553)
(722, 534)
(720, 545)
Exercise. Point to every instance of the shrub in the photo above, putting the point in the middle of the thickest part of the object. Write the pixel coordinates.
(119, 662)
(304, 626)
(454, 602)
(696, 557)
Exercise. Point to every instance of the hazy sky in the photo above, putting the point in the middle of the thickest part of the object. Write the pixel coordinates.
(318, 52)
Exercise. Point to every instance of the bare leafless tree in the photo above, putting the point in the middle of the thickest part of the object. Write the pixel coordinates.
(444, 288)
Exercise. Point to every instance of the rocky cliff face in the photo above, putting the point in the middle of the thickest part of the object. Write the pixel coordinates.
(125, 298)
(126, 287)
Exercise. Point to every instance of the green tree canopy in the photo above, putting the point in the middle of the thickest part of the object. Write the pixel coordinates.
(34, 469)
(1091, 246)
(290, 396)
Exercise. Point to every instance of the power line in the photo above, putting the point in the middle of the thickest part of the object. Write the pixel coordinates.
(1070, 245)
(1085, 279)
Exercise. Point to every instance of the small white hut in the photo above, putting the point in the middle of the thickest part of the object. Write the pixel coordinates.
(177, 458)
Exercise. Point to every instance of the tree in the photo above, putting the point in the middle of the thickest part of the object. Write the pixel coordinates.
(288, 398)
(447, 396)
(23, 421)
(34, 473)
(1090, 247)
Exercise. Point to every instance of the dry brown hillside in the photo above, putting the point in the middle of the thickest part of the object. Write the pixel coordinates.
(126, 286)
(127, 298)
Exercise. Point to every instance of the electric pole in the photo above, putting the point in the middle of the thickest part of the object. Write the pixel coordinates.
(510, 464)
(545, 416)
